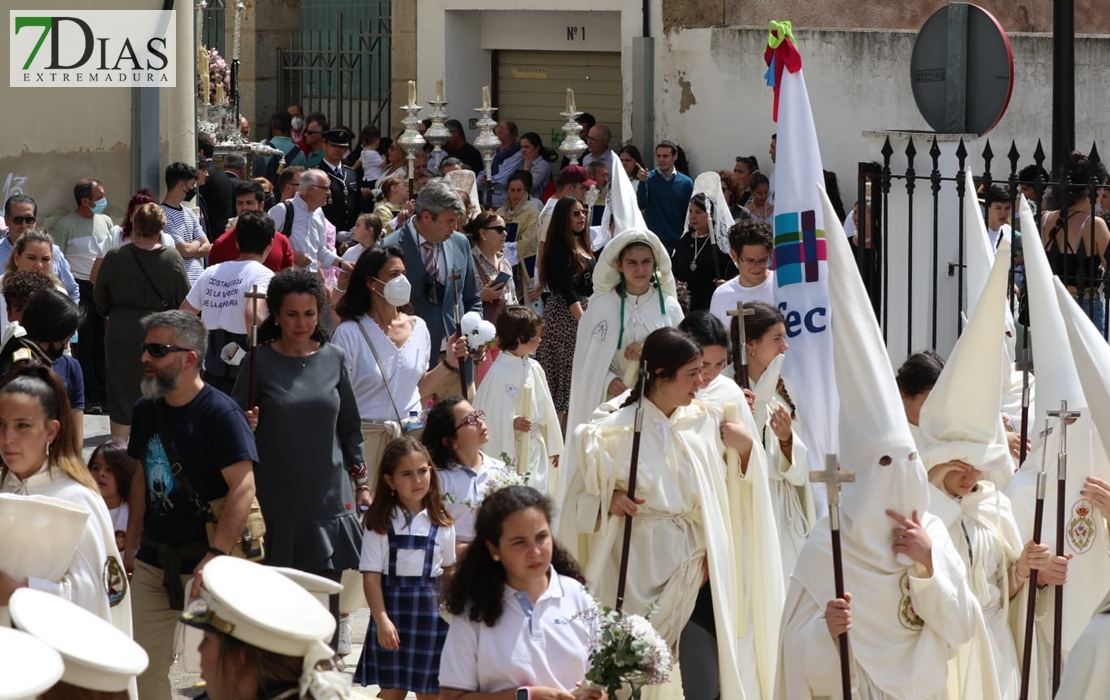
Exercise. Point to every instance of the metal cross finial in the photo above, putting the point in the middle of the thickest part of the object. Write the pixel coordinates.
(832, 476)
(1066, 418)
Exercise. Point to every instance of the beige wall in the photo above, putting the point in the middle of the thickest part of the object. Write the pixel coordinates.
(1091, 16)
(58, 135)
(402, 56)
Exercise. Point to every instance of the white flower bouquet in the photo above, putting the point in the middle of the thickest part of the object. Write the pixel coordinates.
(627, 652)
(479, 333)
(503, 478)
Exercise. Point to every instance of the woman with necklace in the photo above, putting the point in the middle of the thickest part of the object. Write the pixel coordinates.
(760, 205)
(699, 262)
(306, 424)
(388, 350)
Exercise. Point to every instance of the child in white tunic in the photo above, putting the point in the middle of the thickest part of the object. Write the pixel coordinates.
(517, 402)
(454, 435)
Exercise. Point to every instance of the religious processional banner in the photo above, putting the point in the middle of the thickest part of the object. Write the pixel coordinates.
(800, 256)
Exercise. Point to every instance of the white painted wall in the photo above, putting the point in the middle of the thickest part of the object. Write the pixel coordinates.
(858, 81)
(456, 39)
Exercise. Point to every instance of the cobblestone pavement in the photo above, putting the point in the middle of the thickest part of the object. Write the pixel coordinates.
(188, 685)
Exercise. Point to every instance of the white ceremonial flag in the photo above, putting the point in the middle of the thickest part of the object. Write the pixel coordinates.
(800, 256)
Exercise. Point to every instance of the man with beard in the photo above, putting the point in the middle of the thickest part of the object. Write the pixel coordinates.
(192, 443)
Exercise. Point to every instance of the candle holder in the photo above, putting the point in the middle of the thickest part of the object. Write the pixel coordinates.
(410, 139)
(487, 144)
(437, 134)
(572, 146)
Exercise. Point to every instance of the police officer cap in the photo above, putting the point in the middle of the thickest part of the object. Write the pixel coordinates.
(259, 606)
(96, 654)
(338, 137)
(28, 666)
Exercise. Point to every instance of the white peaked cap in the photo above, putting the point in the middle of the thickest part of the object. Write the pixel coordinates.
(873, 425)
(606, 275)
(709, 184)
(259, 606)
(625, 211)
(1057, 379)
(960, 419)
(28, 666)
(1092, 360)
(97, 656)
(316, 585)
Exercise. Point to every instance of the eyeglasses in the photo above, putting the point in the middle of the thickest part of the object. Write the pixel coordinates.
(472, 419)
(22, 219)
(159, 350)
(323, 187)
(499, 229)
(761, 262)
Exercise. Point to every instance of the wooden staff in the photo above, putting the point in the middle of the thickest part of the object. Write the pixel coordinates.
(254, 295)
(832, 477)
(1065, 416)
(740, 351)
(633, 467)
(1025, 366)
(464, 385)
(1031, 603)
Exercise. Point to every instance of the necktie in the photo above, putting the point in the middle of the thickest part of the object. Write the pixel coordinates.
(339, 171)
(431, 265)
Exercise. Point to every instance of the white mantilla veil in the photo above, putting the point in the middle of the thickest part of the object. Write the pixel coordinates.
(720, 218)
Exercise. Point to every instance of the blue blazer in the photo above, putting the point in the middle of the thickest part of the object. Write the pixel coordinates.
(440, 316)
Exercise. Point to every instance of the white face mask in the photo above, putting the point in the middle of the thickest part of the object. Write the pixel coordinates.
(397, 290)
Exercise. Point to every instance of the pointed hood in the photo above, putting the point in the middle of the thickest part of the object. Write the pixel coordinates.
(624, 210)
(980, 253)
(960, 420)
(875, 439)
(720, 218)
(1052, 356)
(1092, 359)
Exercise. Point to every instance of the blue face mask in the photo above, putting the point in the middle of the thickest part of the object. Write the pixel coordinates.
(100, 205)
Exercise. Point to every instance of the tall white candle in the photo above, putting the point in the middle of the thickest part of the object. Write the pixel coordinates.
(524, 454)
(570, 100)
(412, 92)
(485, 97)
(439, 90)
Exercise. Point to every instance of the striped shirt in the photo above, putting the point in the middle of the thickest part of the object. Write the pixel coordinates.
(184, 227)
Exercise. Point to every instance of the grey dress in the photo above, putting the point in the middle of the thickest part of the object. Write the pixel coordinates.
(308, 434)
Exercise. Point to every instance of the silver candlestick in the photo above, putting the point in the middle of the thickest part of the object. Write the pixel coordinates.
(572, 146)
(437, 134)
(410, 140)
(487, 143)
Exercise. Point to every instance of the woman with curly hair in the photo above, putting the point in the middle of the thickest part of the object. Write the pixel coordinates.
(305, 417)
(523, 618)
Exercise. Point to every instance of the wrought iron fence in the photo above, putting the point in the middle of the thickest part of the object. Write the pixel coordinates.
(214, 30)
(342, 71)
(911, 241)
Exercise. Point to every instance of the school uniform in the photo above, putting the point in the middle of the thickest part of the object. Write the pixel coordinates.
(411, 557)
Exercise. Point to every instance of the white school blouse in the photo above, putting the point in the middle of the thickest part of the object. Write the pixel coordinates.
(462, 493)
(545, 644)
(410, 562)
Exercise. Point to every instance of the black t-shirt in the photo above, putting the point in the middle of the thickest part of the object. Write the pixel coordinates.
(209, 434)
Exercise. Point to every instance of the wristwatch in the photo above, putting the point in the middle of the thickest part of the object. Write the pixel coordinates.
(524, 693)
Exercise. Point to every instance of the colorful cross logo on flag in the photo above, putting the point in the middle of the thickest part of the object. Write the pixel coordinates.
(799, 247)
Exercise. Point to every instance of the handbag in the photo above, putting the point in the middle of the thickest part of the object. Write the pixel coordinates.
(251, 544)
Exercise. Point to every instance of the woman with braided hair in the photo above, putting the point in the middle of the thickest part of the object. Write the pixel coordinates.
(776, 414)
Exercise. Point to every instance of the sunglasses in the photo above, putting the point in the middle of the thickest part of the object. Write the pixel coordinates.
(22, 219)
(158, 350)
(499, 229)
(472, 419)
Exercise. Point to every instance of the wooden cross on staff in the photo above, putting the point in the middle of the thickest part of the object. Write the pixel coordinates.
(1031, 603)
(254, 295)
(832, 477)
(1066, 417)
(740, 352)
(453, 279)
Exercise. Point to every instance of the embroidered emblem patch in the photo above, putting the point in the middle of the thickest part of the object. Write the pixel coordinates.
(906, 614)
(115, 581)
(1081, 527)
(601, 330)
(512, 389)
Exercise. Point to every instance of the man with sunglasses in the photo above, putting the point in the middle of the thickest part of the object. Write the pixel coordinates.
(314, 138)
(187, 438)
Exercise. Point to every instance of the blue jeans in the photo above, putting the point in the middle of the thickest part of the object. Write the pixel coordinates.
(1096, 311)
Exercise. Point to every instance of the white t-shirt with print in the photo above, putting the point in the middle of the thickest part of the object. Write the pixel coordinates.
(220, 293)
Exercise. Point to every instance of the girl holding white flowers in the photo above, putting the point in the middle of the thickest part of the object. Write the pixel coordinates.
(454, 435)
(523, 622)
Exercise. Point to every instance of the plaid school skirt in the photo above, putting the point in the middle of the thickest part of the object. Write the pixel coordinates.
(412, 603)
